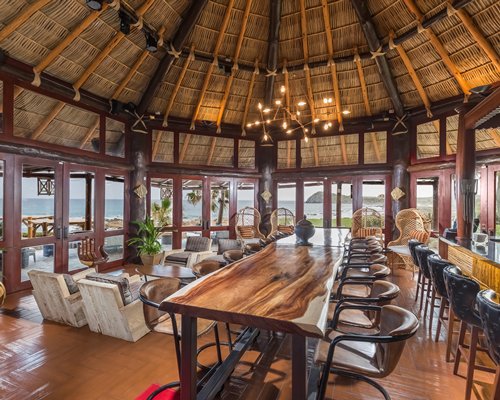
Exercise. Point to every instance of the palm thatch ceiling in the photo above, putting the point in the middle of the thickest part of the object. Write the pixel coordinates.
(326, 49)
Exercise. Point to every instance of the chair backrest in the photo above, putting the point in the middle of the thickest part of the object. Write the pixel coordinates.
(198, 243)
(401, 324)
(247, 223)
(436, 268)
(157, 291)
(282, 220)
(86, 250)
(228, 244)
(462, 292)
(488, 304)
(367, 222)
(412, 243)
(423, 252)
(384, 290)
(410, 222)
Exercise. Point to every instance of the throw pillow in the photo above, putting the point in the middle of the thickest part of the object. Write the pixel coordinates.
(122, 283)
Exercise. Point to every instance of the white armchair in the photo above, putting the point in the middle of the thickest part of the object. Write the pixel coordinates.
(106, 309)
(197, 249)
(54, 299)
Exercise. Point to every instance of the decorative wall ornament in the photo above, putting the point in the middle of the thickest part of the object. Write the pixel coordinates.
(46, 187)
(397, 193)
(141, 191)
(468, 189)
(165, 192)
(266, 195)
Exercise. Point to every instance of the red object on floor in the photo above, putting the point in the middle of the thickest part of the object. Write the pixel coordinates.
(167, 394)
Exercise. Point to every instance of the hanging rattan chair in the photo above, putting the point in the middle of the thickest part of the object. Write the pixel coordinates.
(282, 220)
(247, 224)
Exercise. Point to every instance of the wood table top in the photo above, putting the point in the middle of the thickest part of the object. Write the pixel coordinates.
(166, 271)
(283, 288)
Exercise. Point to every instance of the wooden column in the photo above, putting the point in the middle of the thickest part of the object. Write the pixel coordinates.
(465, 177)
(272, 49)
(266, 164)
(400, 176)
(139, 150)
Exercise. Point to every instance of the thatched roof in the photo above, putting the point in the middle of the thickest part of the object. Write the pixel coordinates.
(100, 61)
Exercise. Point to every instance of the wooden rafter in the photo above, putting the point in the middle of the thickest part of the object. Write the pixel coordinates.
(287, 85)
(307, 72)
(177, 86)
(414, 77)
(47, 120)
(156, 145)
(333, 67)
(212, 150)
(54, 53)
(362, 81)
(89, 133)
(272, 49)
(438, 46)
(478, 37)
(185, 146)
(208, 75)
(17, 91)
(22, 17)
(316, 152)
(249, 97)
(237, 51)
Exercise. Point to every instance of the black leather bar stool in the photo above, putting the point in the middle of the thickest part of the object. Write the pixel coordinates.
(436, 269)
(462, 292)
(412, 244)
(488, 304)
(423, 252)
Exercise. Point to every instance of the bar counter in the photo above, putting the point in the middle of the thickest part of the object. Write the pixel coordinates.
(480, 262)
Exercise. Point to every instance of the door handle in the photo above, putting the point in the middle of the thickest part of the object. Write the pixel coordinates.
(58, 232)
(65, 232)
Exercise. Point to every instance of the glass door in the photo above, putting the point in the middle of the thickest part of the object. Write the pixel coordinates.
(341, 203)
(195, 218)
(314, 198)
(220, 203)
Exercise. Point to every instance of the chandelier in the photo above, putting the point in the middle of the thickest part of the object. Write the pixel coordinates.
(290, 118)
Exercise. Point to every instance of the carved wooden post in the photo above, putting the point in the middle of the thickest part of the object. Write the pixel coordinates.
(266, 164)
(465, 177)
(139, 147)
(400, 174)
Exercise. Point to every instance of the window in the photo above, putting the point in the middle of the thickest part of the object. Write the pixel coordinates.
(219, 207)
(286, 154)
(330, 151)
(192, 200)
(246, 154)
(374, 196)
(1, 116)
(163, 146)
(115, 138)
(286, 196)
(114, 205)
(428, 139)
(375, 147)
(313, 202)
(487, 138)
(81, 202)
(427, 199)
(451, 134)
(206, 150)
(245, 195)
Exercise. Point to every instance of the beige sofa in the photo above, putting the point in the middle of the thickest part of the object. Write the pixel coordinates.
(54, 299)
(106, 312)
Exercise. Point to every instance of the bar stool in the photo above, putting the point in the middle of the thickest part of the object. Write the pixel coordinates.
(423, 252)
(412, 243)
(488, 304)
(462, 292)
(436, 268)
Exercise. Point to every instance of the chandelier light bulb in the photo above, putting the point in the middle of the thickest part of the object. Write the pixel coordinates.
(306, 130)
(346, 112)
(265, 137)
(266, 110)
(330, 124)
(257, 122)
(282, 89)
(260, 106)
(285, 125)
(278, 102)
(325, 100)
(325, 127)
(301, 103)
(249, 125)
(268, 121)
(298, 112)
(330, 100)
(289, 131)
(316, 120)
(306, 139)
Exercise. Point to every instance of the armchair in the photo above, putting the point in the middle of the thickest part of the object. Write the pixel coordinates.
(55, 299)
(197, 248)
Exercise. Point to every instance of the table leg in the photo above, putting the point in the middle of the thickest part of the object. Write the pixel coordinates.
(299, 363)
(188, 360)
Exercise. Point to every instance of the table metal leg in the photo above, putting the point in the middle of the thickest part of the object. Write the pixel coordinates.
(188, 361)
(299, 364)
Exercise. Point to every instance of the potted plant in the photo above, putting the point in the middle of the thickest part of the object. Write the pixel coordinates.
(146, 241)
(160, 211)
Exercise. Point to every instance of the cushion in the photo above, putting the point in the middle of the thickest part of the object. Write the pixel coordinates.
(180, 257)
(197, 243)
(246, 232)
(70, 283)
(364, 232)
(421, 236)
(120, 281)
(288, 229)
(228, 244)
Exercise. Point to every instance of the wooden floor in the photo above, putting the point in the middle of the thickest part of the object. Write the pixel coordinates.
(44, 360)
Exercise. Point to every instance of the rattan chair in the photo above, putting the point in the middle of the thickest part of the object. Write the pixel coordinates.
(367, 222)
(282, 220)
(247, 225)
(91, 256)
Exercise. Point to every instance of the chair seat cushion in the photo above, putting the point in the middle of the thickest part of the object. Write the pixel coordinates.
(219, 258)
(165, 325)
(246, 232)
(288, 229)
(121, 281)
(181, 257)
(353, 290)
(359, 357)
(70, 283)
(350, 317)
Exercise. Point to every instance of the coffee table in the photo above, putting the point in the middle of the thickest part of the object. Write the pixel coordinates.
(166, 271)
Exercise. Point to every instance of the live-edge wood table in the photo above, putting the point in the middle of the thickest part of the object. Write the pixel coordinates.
(284, 288)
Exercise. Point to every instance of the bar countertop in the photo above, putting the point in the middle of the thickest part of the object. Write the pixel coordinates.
(490, 251)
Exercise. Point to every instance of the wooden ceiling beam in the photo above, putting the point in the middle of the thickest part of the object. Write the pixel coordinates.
(131, 72)
(413, 75)
(177, 86)
(180, 38)
(22, 17)
(47, 120)
(272, 49)
(212, 150)
(17, 91)
(362, 81)
(237, 51)
(89, 133)
(375, 47)
(478, 37)
(249, 98)
(438, 46)
(56, 51)
(333, 66)
(211, 67)
(185, 146)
